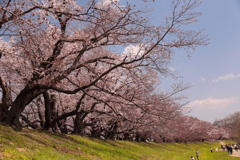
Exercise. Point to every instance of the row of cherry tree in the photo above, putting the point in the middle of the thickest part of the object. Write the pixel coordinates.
(62, 69)
(231, 123)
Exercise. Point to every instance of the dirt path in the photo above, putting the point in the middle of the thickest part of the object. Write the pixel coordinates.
(235, 153)
(222, 143)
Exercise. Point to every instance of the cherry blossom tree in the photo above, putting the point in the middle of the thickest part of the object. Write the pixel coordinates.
(230, 124)
(67, 48)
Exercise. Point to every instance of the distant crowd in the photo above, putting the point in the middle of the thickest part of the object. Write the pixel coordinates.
(230, 148)
(227, 147)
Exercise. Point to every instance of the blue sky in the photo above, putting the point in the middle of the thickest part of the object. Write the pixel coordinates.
(213, 69)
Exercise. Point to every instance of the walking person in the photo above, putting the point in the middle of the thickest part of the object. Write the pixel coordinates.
(197, 153)
(230, 150)
(211, 149)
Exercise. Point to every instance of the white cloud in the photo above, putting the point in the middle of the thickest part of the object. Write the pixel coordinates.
(172, 68)
(226, 77)
(132, 51)
(211, 103)
(202, 80)
(107, 2)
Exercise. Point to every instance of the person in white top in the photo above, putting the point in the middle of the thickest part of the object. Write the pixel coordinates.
(192, 158)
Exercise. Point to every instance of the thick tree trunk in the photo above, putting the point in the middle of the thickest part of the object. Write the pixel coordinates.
(110, 134)
(77, 125)
(78, 122)
(40, 112)
(126, 136)
(6, 97)
(47, 111)
(26, 96)
(50, 111)
(140, 138)
(96, 132)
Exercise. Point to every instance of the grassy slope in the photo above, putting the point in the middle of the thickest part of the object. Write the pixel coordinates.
(43, 145)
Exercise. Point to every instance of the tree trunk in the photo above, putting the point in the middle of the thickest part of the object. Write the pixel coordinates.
(6, 97)
(138, 137)
(77, 125)
(110, 134)
(40, 112)
(47, 110)
(78, 122)
(126, 136)
(26, 96)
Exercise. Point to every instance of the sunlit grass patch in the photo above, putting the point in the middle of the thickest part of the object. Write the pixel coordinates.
(40, 145)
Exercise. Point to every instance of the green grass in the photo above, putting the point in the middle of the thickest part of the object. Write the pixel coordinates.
(42, 145)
